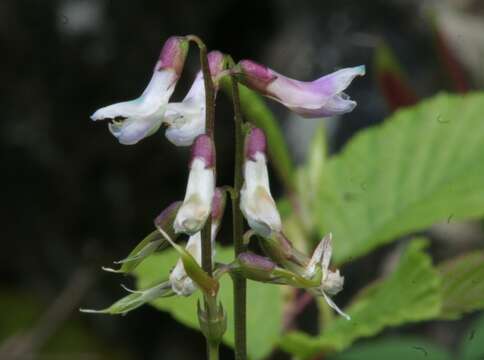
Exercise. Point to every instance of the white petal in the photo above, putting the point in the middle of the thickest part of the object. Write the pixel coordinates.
(134, 129)
(198, 199)
(335, 307)
(333, 282)
(327, 251)
(256, 201)
(186, 120)
(180, 281)
(156, 95)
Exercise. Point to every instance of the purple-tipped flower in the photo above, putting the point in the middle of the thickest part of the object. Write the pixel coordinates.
(186, 119)
(200, 188)
(134, 120)
(181, 283)
(256, 201)
(319, 98)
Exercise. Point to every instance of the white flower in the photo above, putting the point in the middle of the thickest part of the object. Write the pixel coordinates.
(186, 119)
(256, 201)
(134, 120)
(181, 283)
(331, 281)
(200, 188)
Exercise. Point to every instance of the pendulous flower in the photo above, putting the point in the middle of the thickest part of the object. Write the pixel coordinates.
(319, 98)
(186, 119)
(180, 282)
(200, 188)
(256, 201)
(134, 120)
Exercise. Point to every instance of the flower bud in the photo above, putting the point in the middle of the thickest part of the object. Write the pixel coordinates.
(319, 98)
(256, 202)
(134, 120)
(186, 119)
(256, 267)
(200, 188)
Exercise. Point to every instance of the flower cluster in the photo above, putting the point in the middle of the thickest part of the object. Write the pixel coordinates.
(134, 120)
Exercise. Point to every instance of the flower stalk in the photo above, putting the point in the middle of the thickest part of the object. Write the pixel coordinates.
(210, 315)
(240, 283)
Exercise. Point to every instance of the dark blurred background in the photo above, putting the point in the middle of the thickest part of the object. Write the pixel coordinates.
(74, 199)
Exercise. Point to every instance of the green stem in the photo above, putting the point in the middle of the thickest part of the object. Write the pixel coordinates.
(212, 351)
(240, 283)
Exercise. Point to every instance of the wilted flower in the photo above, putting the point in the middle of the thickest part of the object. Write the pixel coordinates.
(134, 120)
(256, 201)
(331, 281)
(186, 119)
(200, 188)
(181, 283)
(319, 98)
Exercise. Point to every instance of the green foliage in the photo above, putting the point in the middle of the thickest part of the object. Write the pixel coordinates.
(394, 349)
(423, 165)
(264, 318)
(463, 285)
(70, 340)
(472, 344)
(411, 293)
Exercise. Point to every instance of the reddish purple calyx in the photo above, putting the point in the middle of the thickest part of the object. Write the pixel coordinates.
(173, 54)
(218, 204)
(167, 214)
(203, 149)
(256, 262)
(255, 143)
(216, 62)
(257, 75)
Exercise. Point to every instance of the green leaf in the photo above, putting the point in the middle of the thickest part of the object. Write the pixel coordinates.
(310, 176)
(411, 293)
(395, 349)
(264, 301)
(472, 344)
(463, 285)
(256, 111)
(423, 165)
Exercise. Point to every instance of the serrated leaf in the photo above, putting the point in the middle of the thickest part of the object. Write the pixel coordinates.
(309, 177)
(472, 343)
(395, 349)
(462, 285)
(411, 293)
(264, 301)
(423, 165)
